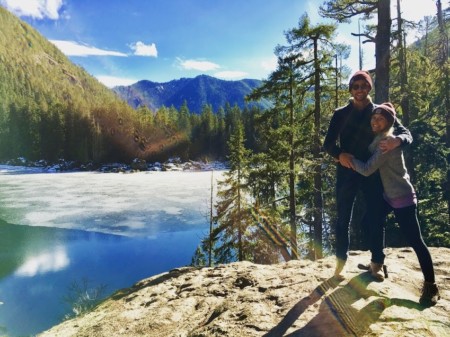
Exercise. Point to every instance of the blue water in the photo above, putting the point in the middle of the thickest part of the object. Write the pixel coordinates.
(49, 240)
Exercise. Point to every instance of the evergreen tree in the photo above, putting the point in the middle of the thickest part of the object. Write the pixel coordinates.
(52, 137)
(281, 87)
(207, 130)
(233, 208)
(184, 122)
(221, 146)
(199, 257)
(306, 37)
(287, 87)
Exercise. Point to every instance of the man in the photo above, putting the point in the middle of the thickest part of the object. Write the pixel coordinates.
(349, 135)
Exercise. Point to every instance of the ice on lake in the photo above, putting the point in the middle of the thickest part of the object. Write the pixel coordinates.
(137, 204)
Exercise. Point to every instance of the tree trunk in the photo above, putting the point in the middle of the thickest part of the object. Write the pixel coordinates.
(318, 203)
(383, 51)
(292, 217)
(402, 65)
(404, 102)
(240, 254)
(210, 243)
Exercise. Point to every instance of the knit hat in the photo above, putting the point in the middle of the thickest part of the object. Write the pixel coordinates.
(387, 110)
(361, 75)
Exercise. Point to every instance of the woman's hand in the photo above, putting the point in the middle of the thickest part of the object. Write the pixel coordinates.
(389, 144)
(345, 159)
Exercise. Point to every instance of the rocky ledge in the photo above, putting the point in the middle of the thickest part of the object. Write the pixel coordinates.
(297, 298)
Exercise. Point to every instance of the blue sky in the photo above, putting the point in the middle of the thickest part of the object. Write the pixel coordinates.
(123, 41)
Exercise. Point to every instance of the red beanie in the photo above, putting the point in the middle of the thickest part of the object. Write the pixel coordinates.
(361, 75)
(387, 110)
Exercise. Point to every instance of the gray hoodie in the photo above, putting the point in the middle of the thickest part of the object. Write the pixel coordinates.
(398, 189)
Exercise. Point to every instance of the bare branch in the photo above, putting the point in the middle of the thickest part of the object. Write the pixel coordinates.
(369, 37)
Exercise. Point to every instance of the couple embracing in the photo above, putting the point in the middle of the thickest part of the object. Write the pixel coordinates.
(366, 140)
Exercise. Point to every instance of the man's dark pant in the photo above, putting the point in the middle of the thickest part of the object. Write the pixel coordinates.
(348, 182)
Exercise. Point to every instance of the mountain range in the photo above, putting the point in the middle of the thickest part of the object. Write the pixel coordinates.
(196, 92)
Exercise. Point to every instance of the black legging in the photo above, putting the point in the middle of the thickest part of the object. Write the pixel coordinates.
(406, 217)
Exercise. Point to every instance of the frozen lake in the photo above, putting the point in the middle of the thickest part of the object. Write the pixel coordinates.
(110, 229)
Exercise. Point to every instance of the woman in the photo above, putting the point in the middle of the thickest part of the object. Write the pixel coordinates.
(399, 196)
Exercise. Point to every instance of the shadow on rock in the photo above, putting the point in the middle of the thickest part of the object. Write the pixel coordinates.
(298, 309)
(337, 317)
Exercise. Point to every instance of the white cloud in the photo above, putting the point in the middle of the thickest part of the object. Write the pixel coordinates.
(198, 65)
(141, 49)
(44, 263)
(38, 9)
(270, 64)
(71, 48)
(111, 81)
(230, 74)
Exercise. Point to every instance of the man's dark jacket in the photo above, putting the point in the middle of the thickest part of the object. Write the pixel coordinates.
(350, 131)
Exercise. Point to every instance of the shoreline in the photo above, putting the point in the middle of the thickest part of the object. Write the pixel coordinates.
(22, 166)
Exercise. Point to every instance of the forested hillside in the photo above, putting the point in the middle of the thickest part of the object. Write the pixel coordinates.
(51, 108)
(196, 92)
